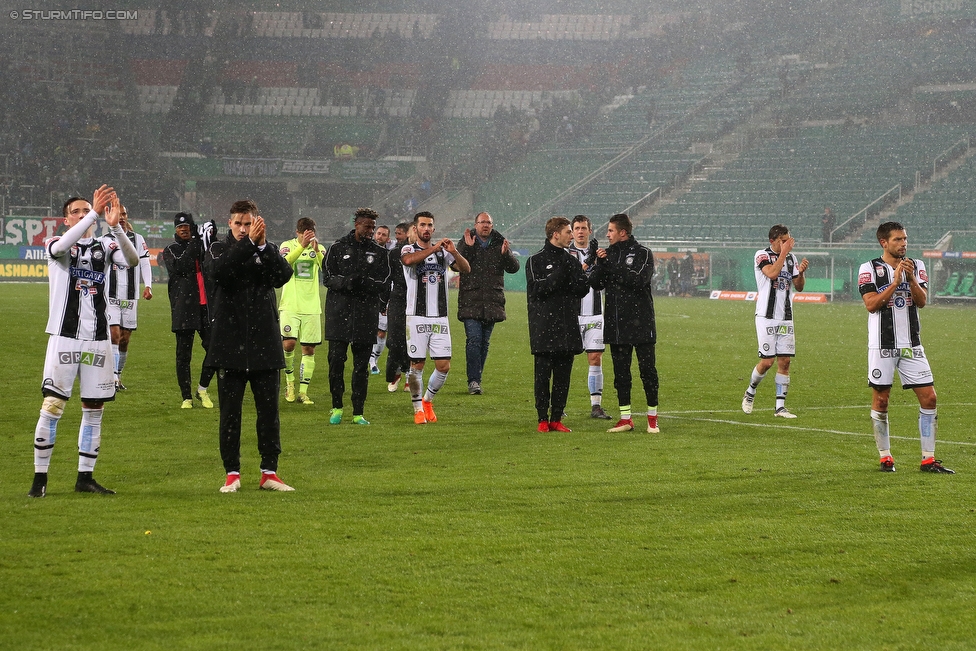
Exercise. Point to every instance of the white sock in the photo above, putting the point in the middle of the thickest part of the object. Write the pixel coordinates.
(879, 421)
(45, 434)
(594, 380)
(782, 388)
(415, 380)
(434, 384)
(115, 358)
(121, 363)
(377, 350)
(928, 422)
(89, 438)
(754, 381)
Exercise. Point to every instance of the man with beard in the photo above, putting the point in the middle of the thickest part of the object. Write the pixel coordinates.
(425, 266)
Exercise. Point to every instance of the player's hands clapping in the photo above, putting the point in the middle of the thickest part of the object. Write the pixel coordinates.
(257, 233)
(102, 198)
(113, 211)
(308, 238)
(447, 244)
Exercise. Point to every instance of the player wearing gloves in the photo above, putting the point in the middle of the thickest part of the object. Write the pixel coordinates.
(357, 272)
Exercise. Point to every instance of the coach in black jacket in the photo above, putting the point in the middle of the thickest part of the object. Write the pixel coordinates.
(245, 343)
(357, 273)
(555, 283)
(625, 269)
(188, 304)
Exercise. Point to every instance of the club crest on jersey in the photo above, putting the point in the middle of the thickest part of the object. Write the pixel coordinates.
(881, 272)
(629, 260)
(97, 255)
(369, 258)
(311, 253)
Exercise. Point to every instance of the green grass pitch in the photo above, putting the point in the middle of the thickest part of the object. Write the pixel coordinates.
(477, 532)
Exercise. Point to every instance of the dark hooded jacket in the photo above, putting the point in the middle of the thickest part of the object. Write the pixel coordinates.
(245, 334)
(625, 274)
(184, 264)
(481, 293)
(554, 283)
(358, 276)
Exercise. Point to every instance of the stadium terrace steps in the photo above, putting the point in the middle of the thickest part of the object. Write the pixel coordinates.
(790, 181)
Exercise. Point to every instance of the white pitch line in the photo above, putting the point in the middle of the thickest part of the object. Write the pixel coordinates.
(806, 429)
(864, 406)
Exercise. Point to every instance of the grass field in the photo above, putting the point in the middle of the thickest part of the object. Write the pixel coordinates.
(723, 531)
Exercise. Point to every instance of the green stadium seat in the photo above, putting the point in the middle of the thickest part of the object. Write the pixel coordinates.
(951, 283)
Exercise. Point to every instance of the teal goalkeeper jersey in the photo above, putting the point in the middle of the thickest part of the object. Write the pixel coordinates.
(300, 295)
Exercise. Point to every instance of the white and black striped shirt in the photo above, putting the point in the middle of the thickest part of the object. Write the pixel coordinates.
(427, 283)
(592, 303)
(896, 324)
(124, 281)
(775, 295)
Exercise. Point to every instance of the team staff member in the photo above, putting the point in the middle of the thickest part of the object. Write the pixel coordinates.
(777, 270)
(397, 361)
(123, 297)
(382, 238)
(79, 344)
(246, 344)
(301, 308)
(625, 269)
(893, 288)
(357, 272)
(583, 248)
(188, 301)
(555, 283)
(481, 293)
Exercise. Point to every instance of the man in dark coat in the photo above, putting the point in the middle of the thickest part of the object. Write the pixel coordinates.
(481, 293)
(189, 305)
(245, 345)
(555, 283)
(625, 270)
(357, 272)
(397, 360)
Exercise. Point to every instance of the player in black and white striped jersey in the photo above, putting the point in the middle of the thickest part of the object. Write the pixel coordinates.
(79, 344)
(123, 297)
(893, 288)
(425, 266)
(778, 272)
(583, 248)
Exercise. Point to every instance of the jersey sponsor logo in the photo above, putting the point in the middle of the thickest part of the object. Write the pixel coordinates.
(903, 353)
(598, 325)
(123, 304)
(864, 278)
(923, 275)
(779, 330)
(78, 357)
(284, 250)
(87, 274)
(433, 328)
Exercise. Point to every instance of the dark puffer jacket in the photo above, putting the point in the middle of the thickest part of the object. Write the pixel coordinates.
(481, 293)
